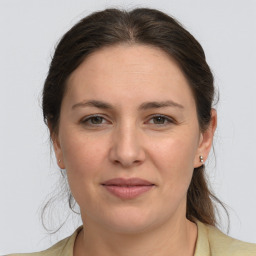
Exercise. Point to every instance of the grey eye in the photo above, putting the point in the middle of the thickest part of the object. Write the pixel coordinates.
(93, 120)
(96, 119)
(159, 119)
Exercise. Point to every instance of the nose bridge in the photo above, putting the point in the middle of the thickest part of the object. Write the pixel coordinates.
(126, 148)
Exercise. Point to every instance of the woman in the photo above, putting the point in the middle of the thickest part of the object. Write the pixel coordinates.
(128, 102)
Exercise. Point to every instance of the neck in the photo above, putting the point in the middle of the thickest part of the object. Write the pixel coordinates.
(175, 238)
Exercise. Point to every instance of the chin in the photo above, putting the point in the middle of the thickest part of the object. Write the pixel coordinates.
(130, 222)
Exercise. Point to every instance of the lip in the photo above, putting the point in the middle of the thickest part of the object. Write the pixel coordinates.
(127, 182)
(127, 188)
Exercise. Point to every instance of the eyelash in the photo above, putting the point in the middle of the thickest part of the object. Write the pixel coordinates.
(168, 119)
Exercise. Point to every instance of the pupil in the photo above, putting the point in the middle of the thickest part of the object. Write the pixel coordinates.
(97, 118)
(159, 118)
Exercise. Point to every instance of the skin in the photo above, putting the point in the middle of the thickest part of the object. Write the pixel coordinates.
(128, 142)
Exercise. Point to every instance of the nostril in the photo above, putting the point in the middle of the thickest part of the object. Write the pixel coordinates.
(116, 162)
(126, 156)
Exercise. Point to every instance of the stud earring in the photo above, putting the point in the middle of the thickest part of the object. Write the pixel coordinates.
(59, 160)
(201, 159)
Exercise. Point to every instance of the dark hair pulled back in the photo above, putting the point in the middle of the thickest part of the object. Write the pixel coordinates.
(139, 26)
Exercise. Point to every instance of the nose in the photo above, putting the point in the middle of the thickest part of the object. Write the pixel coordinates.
(127, 149)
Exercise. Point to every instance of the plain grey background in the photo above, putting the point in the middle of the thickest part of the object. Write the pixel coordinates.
(29, 31)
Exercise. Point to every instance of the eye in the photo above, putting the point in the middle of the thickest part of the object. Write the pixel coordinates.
(93, 120)
(162, 120)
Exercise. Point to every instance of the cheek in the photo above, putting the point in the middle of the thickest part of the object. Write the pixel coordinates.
(83, 159)
(176, 151)
(174, 159)
(82, 155)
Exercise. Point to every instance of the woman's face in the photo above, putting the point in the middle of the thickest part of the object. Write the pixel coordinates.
(143, 124)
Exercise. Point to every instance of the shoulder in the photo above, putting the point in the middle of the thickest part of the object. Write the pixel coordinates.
(62, 248)
(221, 244)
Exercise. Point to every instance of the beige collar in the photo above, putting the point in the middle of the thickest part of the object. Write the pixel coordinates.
(202, 243)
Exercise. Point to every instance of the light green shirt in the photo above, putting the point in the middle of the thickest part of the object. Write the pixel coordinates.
(210, 242)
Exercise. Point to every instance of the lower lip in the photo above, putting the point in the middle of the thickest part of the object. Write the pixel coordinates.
(128, 192)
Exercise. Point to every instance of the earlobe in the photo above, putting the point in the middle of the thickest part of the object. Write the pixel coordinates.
(58, 151)
(205, 141)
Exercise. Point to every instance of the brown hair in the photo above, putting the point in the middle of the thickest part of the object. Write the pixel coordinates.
(139, 26)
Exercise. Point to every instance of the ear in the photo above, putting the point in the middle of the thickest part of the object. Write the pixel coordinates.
(57, 148)
(205, 141)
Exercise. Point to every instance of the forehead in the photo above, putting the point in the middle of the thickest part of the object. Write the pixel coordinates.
(129, 71)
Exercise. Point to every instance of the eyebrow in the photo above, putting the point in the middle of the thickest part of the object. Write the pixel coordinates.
(143, 106)
(161, 104)
(93, 103)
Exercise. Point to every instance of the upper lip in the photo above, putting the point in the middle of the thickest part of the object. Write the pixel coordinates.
(127, 182)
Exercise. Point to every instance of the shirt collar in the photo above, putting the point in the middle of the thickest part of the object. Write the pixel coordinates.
(202, 243)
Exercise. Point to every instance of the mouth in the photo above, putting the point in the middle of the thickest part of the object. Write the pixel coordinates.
(127, 188)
